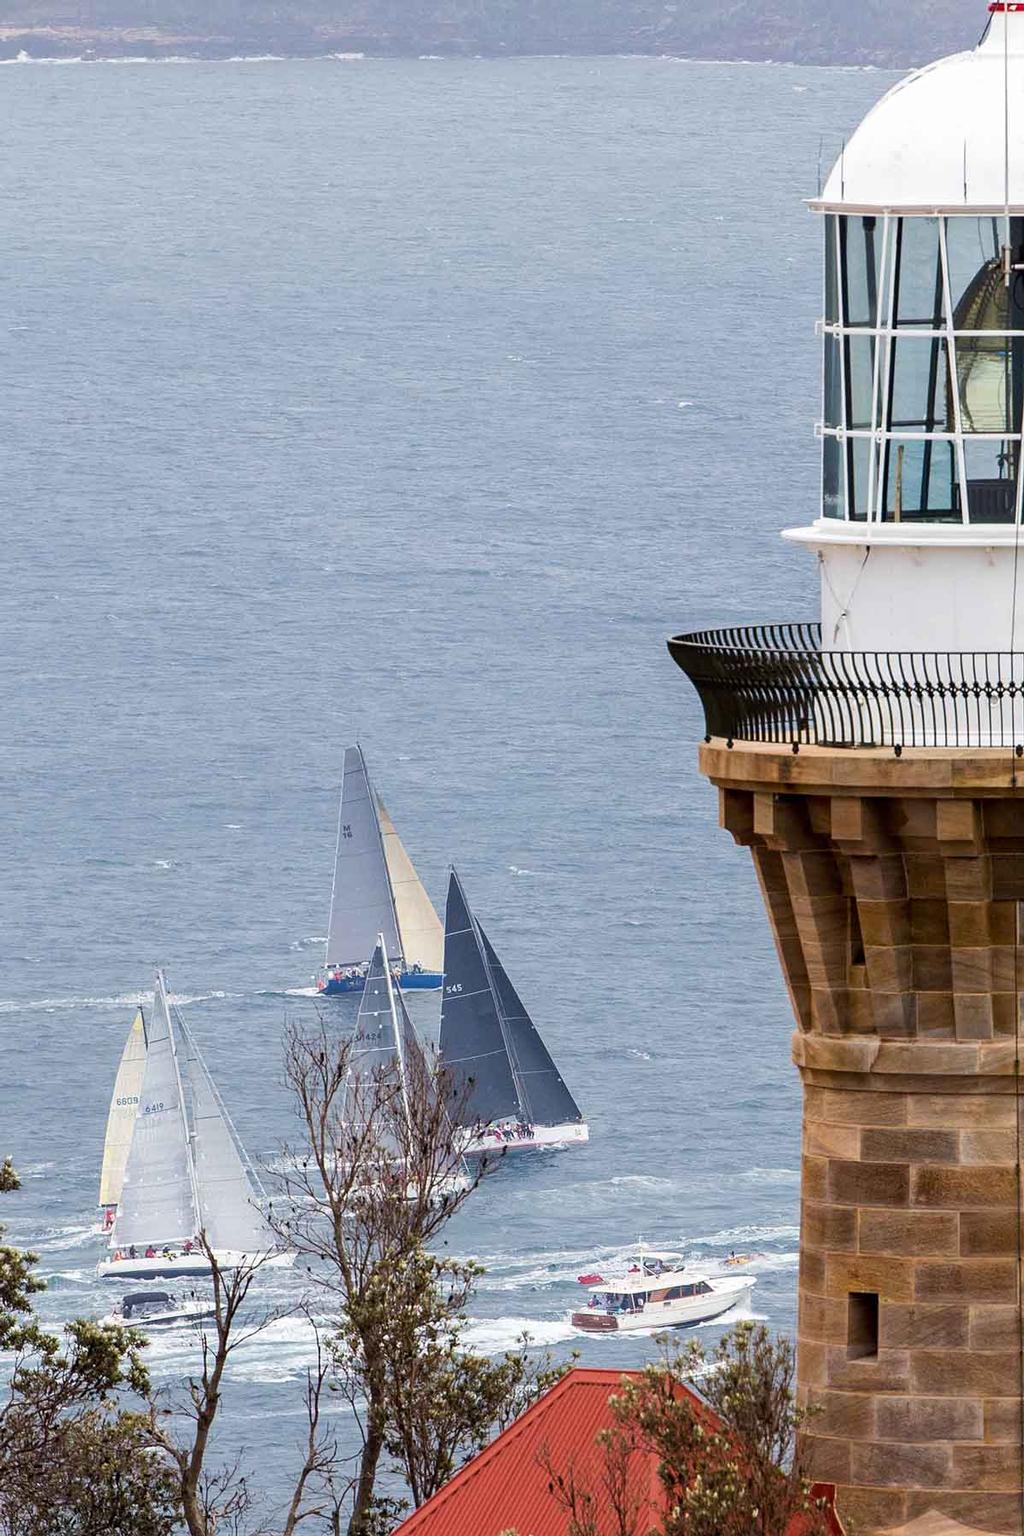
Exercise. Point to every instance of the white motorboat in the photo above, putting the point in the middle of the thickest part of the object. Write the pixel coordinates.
(186, 1171)
(509, 1094)
(159, 1309)
(657, 1290)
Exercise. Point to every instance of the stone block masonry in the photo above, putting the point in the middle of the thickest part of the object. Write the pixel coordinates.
(894, 887)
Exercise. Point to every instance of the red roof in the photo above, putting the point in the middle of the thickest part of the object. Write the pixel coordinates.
(507, 1486)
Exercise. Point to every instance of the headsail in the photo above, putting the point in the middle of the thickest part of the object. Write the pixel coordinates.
(546, 1099)
(124, 1103)
(229, 1193)
(473, 1042)
(419, 926)
(375, 1048)
(158, 1200)
(362, 904)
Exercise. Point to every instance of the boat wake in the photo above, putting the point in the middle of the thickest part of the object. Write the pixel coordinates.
(496, 1335)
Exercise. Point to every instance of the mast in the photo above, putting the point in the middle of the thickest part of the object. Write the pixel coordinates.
(399, 1043)
(161, 991)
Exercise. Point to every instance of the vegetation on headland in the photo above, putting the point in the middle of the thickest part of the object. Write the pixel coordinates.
(872, 32)
(88, 1447)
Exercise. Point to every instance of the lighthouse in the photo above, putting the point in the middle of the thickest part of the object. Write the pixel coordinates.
(872, 760)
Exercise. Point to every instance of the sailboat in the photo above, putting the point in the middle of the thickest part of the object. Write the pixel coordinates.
(186, 1170)
(376, 891)
(386, 1041)
(124, 1102)
(508, 1092)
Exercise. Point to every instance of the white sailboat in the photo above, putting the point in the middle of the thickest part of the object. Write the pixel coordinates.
(376, 891)
(186, 1171)
(510, 1094)
(124, 1101)
(385, 1041)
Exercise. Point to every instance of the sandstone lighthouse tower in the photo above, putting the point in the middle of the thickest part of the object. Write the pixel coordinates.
(874, 765)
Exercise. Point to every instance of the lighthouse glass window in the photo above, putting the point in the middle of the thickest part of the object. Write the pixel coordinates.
(924, 368)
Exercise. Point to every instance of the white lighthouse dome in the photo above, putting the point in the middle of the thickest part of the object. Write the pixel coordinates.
(920, 537)
(938, 139)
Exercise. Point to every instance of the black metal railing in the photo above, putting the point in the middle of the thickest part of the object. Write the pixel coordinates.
(774, 683)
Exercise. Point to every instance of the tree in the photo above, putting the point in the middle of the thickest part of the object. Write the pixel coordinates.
(380, 1175)
(723, 1426)
(736, 1471)
(214, 1498)
(73, 1460)
(444, 1402)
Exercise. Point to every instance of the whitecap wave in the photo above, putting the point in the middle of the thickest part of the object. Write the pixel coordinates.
(118, 1000)
(495, 1335)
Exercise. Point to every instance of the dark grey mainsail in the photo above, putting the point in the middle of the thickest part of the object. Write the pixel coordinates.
(546, 1099)
(473, 1044)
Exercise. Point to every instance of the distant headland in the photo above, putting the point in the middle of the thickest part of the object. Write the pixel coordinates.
(868, 32)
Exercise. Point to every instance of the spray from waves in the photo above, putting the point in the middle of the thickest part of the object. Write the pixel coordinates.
(496, 1335)
(730, 1237)
(772, 1175)
(59, 1239)
(119, 1000)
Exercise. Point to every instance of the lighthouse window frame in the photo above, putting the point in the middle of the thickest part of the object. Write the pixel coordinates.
(904, 381)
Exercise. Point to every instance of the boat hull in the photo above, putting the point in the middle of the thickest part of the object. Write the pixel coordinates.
(541, 1137)
(408, 981)
(179, 1318)
(181, 1266)
(683, 1313)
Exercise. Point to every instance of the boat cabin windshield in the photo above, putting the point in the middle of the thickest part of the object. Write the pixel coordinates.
(146, 1301)
(654, 1263)
(635, 1301)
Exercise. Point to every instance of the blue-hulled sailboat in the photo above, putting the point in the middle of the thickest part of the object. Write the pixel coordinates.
(376, 891)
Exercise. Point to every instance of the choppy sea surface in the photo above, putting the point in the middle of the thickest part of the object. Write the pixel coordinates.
(412, 403)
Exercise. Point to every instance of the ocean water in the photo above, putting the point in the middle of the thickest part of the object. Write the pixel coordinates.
(412, 403)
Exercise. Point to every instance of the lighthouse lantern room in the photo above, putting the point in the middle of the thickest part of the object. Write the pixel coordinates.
(924, 361)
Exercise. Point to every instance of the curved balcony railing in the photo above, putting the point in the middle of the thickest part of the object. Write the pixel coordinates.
(774, 683)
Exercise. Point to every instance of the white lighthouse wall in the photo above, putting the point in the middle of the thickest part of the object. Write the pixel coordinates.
(883, 598)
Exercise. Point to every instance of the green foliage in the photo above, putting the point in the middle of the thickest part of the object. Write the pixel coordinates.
(73, 1461)
(745, 1477)
(443, 1402)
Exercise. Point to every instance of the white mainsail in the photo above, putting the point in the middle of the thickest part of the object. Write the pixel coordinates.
(124, 1102)
(420, 929)
(158, 1200)
(362, 902)
(229, 1193)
